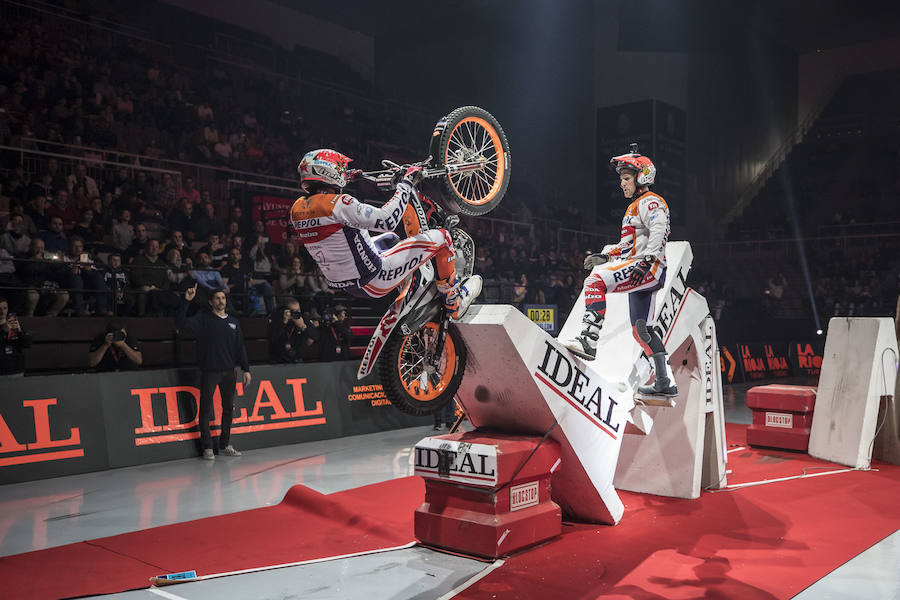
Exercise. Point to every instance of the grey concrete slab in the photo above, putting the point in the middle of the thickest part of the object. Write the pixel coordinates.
(414, 573)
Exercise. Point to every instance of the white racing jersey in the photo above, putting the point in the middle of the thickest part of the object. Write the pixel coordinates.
(334, 228)
(645, 229)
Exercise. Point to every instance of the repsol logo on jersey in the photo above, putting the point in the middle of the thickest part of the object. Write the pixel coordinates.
(576, 385)
(305, 223)
(397, 272)
(623, 274)
(393, 219)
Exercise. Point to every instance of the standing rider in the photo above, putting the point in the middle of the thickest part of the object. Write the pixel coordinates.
(636, 266)
(334, 228)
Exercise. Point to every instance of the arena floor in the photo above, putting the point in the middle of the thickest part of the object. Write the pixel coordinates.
(48, 513)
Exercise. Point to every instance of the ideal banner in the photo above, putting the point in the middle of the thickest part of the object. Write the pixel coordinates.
(61, 425)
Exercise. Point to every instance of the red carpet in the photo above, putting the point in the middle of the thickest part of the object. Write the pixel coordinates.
(768, 541)
(304, 526)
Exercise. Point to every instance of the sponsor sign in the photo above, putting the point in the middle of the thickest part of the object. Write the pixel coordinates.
(806, 357)
(544, 315)
(461, 462)
(728, 364)
(567, 380)
(777, 419)
(764, 361)
(64, 424)
(523, 496)
(275, 211)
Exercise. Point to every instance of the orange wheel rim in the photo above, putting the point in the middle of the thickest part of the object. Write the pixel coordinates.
(413, 365)
(475, 138)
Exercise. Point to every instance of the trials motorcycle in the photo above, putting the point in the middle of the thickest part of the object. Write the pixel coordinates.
(420, 354)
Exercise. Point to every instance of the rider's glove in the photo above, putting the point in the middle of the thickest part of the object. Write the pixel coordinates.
(352, 174)
(592, 260)
(641, 269)
(414, 175)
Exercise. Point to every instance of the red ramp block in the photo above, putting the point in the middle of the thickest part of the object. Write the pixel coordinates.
(782, 416)
(486, 494)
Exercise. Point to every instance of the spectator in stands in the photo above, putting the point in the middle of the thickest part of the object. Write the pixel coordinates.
(289, 252)
(144, 191)
(520, 291)
(56, 178)
(177, 242)
(187, 191)
(138, 244)
(261, 258)
(123, 231)
(317, 285)
(87, 229)
(63, 208)
(117, 283)
(13, 342)
(18, 208)
(86, 278)
(37, 212)
(182, 216)
(240, 282)
(220, 349)
(81, 178)
(47, 277)
(206, 224)
(115, 350)
(166, 193)
(215, 249)
(14, 239)
(149, 278)
(291, 281)
(209, 279)
(177, 271)
(286, 333)
(55, 241)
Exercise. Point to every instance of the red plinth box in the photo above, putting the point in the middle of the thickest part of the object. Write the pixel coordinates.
(486, 494)
(782, 416)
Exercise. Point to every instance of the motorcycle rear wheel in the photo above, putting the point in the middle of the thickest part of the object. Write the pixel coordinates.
(408, 381)
(466, 134)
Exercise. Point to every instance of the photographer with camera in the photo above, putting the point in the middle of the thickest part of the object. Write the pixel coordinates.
(13, 341)
(286, 333)
(115, 350)
(337, 335)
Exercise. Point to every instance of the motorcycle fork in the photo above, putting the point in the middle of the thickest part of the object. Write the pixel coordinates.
(442, 336)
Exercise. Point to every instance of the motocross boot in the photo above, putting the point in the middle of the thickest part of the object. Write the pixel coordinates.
(585, 345)
(663, 386)
(458, 297)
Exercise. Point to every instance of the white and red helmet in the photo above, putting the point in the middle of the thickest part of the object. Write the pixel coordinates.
(325, 166)
(645, 171)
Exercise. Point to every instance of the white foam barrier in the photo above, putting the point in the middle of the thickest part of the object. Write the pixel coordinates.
(685, 449)
(520, 380)
(859, 367)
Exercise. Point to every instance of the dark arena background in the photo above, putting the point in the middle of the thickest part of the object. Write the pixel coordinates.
(148, 149)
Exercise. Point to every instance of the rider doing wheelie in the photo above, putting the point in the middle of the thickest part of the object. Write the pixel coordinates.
(636, 266)
(334, 228)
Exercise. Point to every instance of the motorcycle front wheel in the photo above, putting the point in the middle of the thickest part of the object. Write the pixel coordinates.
(408, 378)
(469, 134)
